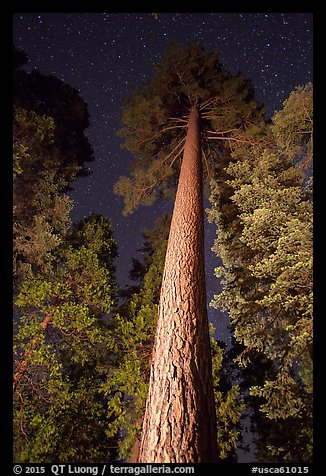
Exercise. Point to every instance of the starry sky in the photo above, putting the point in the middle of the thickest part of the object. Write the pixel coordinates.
(105, 55)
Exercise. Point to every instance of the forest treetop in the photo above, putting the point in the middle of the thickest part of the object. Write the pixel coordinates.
(155, 119)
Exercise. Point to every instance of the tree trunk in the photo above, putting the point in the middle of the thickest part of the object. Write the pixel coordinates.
(180, 423)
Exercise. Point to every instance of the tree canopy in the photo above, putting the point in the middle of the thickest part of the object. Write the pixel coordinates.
(263, 212)
(65, 289)
(48, 95)
(155, 120)
(50, 150)
(63, 348)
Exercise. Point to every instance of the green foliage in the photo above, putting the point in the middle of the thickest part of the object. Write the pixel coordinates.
(155, 119)
(40, 212)
(65, 290)
(32, 134)
(263, 212)
(293, 125)
(49, 151)
(63, 346)
(228, 404)
(279, 439)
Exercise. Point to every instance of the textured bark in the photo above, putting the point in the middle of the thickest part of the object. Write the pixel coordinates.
(180, 424)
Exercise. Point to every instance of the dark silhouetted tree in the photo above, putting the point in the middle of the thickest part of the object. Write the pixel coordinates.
(50, 151)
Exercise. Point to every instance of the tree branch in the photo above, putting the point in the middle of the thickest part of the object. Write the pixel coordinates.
(221, 132)
(173, 127)
(244, 141)
(207, 168)
(178, 119)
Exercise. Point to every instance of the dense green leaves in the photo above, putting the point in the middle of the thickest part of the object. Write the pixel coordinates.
(64, 284)
(293, 125)
(40, 211)
(228, 403)
(49, 150)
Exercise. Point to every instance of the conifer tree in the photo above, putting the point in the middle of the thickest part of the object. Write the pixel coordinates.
(63, 347)
(47, 95)
(263, 211)
(64, 282)
(40, 210)
(50, 151)
(190, 98)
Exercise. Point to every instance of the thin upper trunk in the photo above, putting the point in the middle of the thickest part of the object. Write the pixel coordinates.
(180, 424)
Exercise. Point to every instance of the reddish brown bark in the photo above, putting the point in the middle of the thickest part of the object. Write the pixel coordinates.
(310, 350)
(180, 424)
(21, 366)
(134, 455)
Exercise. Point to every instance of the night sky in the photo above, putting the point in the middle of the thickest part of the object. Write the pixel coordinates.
(105, 55)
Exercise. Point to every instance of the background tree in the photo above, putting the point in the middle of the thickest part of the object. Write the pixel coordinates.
(50, 151)
(64, 282)
(63, 348)
(293, 127)
(229, 404)
(41, 212)
(264, 218)
(190, 93)
(48, 95)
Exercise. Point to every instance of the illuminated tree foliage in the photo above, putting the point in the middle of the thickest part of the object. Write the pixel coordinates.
(62, 351)
(293, 126)
(263, 212)
(41, 212)
(190, 100)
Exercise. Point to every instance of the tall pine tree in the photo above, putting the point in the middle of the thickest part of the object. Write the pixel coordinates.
(134, 329)
(190, 99)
